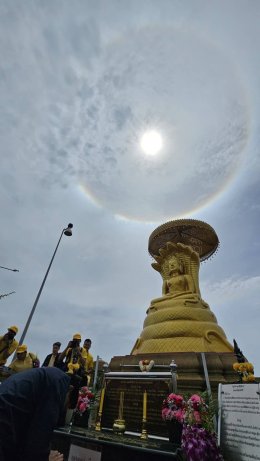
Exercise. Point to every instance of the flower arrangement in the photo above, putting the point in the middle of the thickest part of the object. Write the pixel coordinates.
(72, 368)
(245, 371)
(84, 400)
(35, 360)
(146, 365)
(199, 444)
(198, 439)
(244, 368)
(197, 412)
(173, 408)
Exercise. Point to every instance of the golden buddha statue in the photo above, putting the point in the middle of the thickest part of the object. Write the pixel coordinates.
(180, 321)
(177, 283)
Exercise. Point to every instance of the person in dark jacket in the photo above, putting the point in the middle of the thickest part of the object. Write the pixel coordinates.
(52, 360)
(31, 403)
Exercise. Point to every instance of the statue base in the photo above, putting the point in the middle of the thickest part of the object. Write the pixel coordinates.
(190, 371)
(133, 375)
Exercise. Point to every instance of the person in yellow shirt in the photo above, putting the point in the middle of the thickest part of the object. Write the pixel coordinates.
(89, 362)
(74, 365)
(73, 354)
(24, 361)
(89, 366)
(8, 344)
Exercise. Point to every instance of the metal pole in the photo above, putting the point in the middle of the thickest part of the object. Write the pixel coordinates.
(205, 368)
(8, 269)
(173, 368)
(219, 411)
(39, 293)
(95, 373)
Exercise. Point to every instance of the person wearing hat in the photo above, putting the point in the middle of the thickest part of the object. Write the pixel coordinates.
(73, 361)
(74, 356)
(8, 344)
(52, 360)
(24, 360)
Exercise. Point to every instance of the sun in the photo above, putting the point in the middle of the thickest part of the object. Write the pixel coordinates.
(151, 142)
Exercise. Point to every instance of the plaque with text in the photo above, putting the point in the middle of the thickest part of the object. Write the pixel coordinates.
(133, 387)
(239, 421)
(83, 454)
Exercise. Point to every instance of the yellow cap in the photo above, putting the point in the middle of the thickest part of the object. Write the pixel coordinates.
(14, 329)
(77, 336)
(21, 349)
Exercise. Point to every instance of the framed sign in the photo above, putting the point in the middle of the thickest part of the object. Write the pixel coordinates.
(83, 454)
(239, 421)
(157, 386)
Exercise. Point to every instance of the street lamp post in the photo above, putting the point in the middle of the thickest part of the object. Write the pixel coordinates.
(11, 292)
(8, 269)
(68, 233)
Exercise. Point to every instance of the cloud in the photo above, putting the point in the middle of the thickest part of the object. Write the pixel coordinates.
(79, 85)
(231, 289)
(93, 104)
(235, 301)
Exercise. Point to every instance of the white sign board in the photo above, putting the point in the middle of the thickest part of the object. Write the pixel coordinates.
(239, 421)
(83, 454)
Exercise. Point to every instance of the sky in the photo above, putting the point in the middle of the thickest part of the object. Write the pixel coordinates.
(80, 83)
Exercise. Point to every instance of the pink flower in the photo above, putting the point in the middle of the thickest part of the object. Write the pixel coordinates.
(166, 413)
(180, 415)
(194, 412)
(197, 416)
(83, 405)
(84, 399)
(195, 401)
(176, 399)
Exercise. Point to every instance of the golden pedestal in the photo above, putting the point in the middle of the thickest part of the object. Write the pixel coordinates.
(190, 371)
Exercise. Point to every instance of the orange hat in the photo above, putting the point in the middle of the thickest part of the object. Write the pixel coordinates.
(77, 336)
(22, 348)
(14, 329)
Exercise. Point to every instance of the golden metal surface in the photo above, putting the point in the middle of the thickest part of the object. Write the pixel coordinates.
(119, 426)
(197, 234)
(180, 320)
(100, 410)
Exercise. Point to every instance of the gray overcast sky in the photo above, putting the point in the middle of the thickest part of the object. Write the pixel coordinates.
(80, 82)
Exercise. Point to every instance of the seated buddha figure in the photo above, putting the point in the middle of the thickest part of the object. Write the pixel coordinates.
(177, 282)
(180, 320)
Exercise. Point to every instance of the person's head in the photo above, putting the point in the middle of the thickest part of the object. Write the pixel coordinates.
(56, 347)
(34, 405)
(11, 332)
(76, 340)
(21, 352)
(175, 265)
(87, 344)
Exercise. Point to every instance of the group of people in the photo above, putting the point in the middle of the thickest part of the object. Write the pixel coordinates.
(74, 359)
(34, 399)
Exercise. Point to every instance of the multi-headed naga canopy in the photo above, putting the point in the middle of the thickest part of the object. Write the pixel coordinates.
(199, 235)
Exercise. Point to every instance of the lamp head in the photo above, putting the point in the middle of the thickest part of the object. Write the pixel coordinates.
(173, 366)
(105, 367)
(68, 230)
